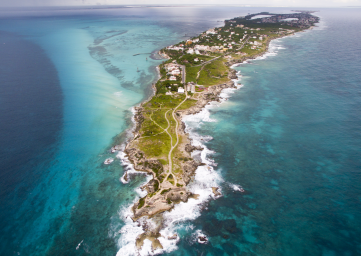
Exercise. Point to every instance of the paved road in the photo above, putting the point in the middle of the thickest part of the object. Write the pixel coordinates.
(208, 61)
(183, 74)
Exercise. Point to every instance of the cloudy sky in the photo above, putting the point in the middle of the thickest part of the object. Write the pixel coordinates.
(288, 3)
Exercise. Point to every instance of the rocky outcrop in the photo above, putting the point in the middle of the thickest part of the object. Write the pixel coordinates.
(190, 148)
(232, 74)
(189, 169)
(138, 118)
(178, 194)
(212, 94)
(216, 192)
(140, 163)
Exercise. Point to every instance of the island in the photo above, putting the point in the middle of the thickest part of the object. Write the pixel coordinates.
(195, 73)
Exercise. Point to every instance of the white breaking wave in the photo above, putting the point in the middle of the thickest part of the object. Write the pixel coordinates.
(236, 187)
(128, 167)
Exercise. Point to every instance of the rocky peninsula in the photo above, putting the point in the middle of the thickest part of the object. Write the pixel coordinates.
(194, 74)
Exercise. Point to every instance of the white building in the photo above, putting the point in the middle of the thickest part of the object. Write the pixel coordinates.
(180, 90)
(172, 66)
(175, 72)
(176, 48)
(211, 31)
(201, 47)
(172, 78)
(190, 51)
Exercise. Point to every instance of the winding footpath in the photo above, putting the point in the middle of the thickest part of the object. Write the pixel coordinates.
(176, 132)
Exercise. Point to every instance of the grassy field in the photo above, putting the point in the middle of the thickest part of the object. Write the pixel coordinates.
(192, 73)
(214, 73)
(187, 104)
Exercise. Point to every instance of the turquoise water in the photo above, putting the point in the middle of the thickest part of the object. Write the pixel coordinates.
(290, 137)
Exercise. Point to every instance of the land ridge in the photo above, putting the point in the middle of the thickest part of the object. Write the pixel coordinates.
(196, 72)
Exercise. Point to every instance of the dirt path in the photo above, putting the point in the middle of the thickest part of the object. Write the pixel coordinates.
(176, 132)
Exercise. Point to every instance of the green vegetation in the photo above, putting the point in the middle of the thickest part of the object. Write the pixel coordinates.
(141, 202)
(170, 179)
(164, 191)
(192, 73)
(187, 104)
(214, 73)
(156, 185)
(189, 59)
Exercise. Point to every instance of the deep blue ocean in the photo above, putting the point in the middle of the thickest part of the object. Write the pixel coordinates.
(290, 136)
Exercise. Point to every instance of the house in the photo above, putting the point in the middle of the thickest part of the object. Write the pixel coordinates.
(180, 90)
(175, 72)
(190, 51)
(196, 60)
(172, 78)
(197, 52)
(211, 31)
(175, 48)
(172, 66)
(201, 47)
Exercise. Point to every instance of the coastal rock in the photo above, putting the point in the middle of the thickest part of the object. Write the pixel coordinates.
(216, 192)
(202, 239)
(137, 158)
(108, 160)
(212, 94)
(190, 148)
(138, 118)
(173, 237)
(178, 194)
(189, 169)
(115, 148)
(151, 206)
(232, 74)
(152, 186)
